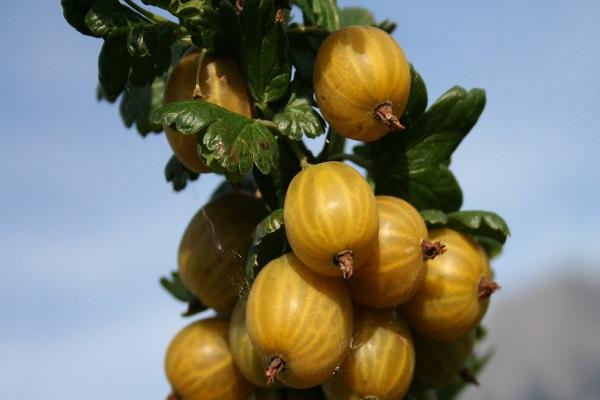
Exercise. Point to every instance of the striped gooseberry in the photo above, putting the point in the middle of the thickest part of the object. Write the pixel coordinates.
(213, 79)
(331, 219)
(300, 322)
(381, 361)
(396, 269)
(455, 293)
(213, 247)
(362, 82)
(199, 364)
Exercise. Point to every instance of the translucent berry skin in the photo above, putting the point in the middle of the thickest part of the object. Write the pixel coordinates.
(302, 317)
(395, 270)
(358, 68)
(214, 244)
(447, 306)
(381, 362)
(220, 82)
(329, 207)
(199, 364)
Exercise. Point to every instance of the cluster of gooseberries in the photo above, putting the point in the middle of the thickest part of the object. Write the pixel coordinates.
(366, 301)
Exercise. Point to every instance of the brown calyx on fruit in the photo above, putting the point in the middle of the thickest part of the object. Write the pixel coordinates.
(345, 260)
(276, 365)
(239, 6)
(172, 396)
(431, 250)
(467, 375)
(384, 113)
(486, 288)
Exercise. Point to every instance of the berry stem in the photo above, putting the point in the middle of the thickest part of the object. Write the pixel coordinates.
(384, 113)
(276, 365)
(345, 260)
(486, 288)
(197, 93)
(431, 250)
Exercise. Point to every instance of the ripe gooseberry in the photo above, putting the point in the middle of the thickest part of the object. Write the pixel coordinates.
(362, 82)
(199, 364)
(455, 294)
(396, 269)
(216, 80)
(331, 219)
(381, 361)
(300, 322)
(245, 355)
(213, 247)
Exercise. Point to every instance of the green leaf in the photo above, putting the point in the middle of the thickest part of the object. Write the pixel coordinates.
(323, 13)
(356, 16)
(269, 243)
(75, 11)
(414, 164)
(235, 143)
(110, 18)
(264, 53)
(114, 63)
(417, 99)
(387, 25)
(178, 174)
(137, 104)
(476, 364)
(174, 286)
(298, 117)
(303, 50)
(486, 227)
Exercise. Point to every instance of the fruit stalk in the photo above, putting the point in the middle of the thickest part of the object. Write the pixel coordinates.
(276, 365)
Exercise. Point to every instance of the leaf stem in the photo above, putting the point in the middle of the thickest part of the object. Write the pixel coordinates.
(302, 157)
(309, 30)
(148, 14)
(197, 94)
(358, 160)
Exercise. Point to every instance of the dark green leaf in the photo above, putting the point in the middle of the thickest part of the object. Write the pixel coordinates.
(476, 223)
(114, 63)
(178, 174)
(75, 11)
(174, 286)
(264, 53)
(269, 242)
(298, 117)
(475, 364)
(334, 144)
(137, 104)
(323, 13)
(232, 141)
(417, 99)
(303, 50)
(414, 164)
(356, 16)
(387, 25)
(110, 18)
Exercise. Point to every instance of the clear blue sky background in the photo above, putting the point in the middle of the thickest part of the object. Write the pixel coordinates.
(88, 224)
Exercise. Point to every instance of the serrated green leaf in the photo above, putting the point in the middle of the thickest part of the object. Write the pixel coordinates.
(114, 63)
(233, 141)
(75, 11)
(303, 50)
(477, 223)
(298, 117)
(110, 18)
(417, 99)
(323, 13)
(178, 174)
(269, 242)
(137, 104)
(356, 16)
(264, 53)
(414, 164)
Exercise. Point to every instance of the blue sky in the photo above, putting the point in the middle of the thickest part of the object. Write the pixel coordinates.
(88, 223)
